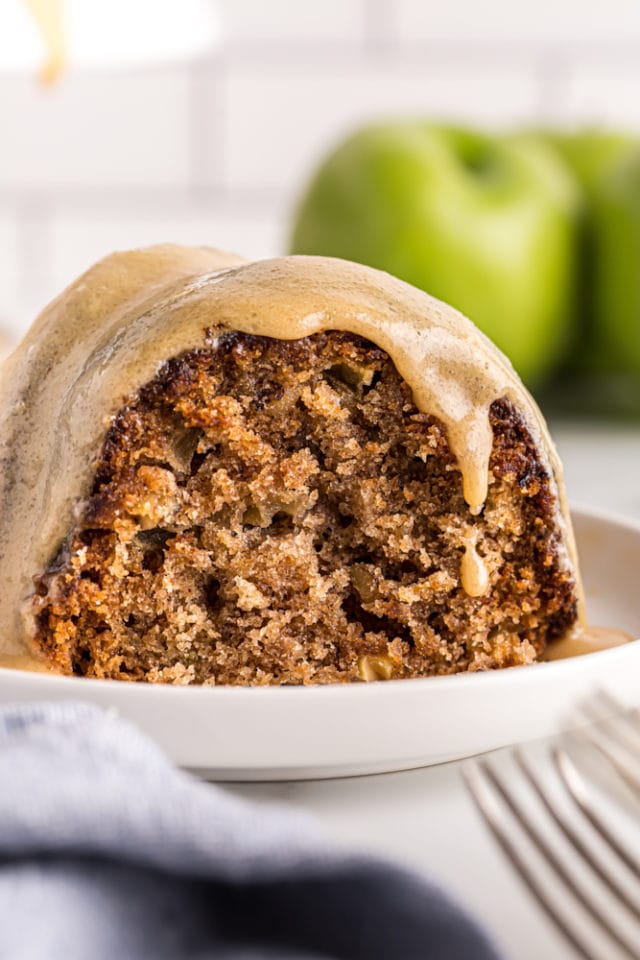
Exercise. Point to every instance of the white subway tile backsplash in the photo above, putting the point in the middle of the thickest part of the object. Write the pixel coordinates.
(282, 21)
(78, 242)
(566, 23)
(604, 95)
(280, 122)
(96, 129)
(114, 160)
(9, 274)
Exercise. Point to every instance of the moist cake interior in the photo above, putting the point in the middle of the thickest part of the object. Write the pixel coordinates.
(279, 512)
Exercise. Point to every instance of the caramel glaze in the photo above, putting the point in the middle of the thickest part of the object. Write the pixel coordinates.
(474, 575)
(585, 639)
(112, 329)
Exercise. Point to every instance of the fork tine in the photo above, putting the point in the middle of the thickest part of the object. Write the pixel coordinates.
(609, 747)
(490, 812)
(621, 723)
(630, 715)
(543, 846)
(577, 788)
(572, 835)
(619, 709)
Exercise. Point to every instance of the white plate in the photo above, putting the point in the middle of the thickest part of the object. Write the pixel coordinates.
(273, 733)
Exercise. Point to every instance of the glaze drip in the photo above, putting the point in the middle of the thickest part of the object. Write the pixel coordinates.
(474, 575)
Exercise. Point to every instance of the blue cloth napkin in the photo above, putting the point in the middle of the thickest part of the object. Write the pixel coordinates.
(107, 851)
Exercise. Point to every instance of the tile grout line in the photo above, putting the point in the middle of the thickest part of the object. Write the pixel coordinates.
(34, 242)
(83, 202)
(380, 36)
(206, 128)
(552, 77)
(379, 29)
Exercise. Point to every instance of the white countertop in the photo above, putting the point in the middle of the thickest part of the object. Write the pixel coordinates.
(602, 465)
(424, 817)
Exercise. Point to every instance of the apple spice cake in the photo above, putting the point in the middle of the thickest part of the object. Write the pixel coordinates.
(270, 511)
(280, 511)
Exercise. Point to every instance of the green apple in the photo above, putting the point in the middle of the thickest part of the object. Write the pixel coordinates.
(607, 165)
(616, 278)
(484, 222)
(591, 153)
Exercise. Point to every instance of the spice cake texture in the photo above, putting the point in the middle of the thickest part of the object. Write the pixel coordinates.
(268, 511)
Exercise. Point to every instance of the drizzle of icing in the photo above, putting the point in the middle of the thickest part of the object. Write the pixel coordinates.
(474, 575)
(111, 330)
(583, 639)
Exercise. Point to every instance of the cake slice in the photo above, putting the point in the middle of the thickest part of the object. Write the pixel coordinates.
(294, 471)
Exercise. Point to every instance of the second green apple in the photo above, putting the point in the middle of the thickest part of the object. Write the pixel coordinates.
(486, 223)
(607, 166)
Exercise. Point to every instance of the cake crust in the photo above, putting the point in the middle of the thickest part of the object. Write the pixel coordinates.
(270, 511)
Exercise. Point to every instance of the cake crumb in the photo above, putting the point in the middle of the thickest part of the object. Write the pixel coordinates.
(279, 512)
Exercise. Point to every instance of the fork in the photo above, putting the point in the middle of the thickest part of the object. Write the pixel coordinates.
(535, 808)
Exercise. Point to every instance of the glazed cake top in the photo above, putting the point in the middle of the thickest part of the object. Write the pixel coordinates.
(110, 331)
